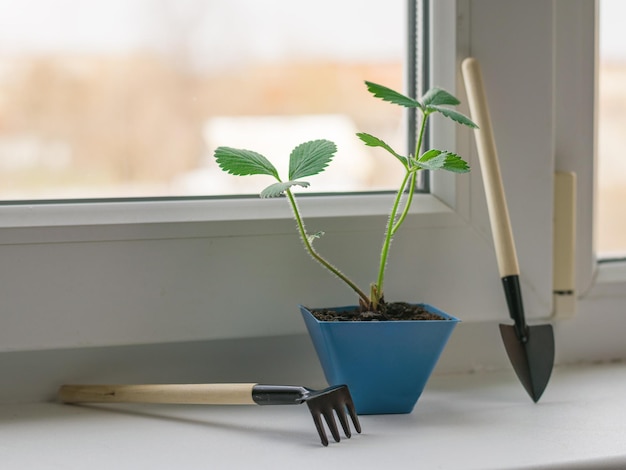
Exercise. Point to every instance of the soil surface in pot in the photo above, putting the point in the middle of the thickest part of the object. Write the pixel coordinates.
(392, 311)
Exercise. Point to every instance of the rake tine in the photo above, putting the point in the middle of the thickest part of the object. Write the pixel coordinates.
(354, 417)
(343, 403)
(343, 419)
(317, 419)
(332, 425)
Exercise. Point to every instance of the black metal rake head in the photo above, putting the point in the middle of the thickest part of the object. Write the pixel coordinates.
(328, 402)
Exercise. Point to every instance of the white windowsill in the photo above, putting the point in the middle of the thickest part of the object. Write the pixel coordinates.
(203, 210)
(471, 421)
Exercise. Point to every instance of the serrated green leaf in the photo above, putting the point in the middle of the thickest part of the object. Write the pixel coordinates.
(310, 158)
(454, 115)
(242, 162)
(277, 189)
(455, 164)
(441, 160)
(373, 141)
(432, 160)
(387, 94)
(439, 96)
(430, 154)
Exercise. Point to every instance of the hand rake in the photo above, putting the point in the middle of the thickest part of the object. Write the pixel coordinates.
(320, 402)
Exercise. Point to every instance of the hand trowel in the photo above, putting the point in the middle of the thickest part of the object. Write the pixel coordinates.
(530, 348)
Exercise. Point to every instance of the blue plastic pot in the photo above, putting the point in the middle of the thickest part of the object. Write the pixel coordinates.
(386, 364)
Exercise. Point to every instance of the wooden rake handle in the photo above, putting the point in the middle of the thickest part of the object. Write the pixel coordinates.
(190, 394)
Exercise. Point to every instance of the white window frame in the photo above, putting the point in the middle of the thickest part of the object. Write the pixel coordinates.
(157, 271)
(576, 73)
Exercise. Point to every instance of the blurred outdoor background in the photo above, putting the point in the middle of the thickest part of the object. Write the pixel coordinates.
(611, 178)
(129, 98)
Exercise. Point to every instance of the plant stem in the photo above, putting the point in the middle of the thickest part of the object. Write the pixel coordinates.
(392, 224)
(409, 200)
(387, 243)
(316, 255)
(407, 204)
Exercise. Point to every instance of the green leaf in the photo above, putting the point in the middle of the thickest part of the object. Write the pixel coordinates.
(430, 154)
(310, 158)
(442, 160)
(242, 162)
(456, 164)
(373, 141)
(432, 160)
(454, 115)
(438, 96)
(277, 189)
(387, 94)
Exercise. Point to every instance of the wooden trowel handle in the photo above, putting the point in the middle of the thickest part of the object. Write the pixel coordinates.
(192, 394)
(488, 156)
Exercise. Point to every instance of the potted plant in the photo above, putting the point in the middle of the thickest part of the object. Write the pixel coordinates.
(384, 351)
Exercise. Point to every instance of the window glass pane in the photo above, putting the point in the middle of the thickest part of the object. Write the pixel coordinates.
(125, 98)
(611, 219)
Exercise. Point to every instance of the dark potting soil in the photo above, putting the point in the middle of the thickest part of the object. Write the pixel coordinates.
(392, 311)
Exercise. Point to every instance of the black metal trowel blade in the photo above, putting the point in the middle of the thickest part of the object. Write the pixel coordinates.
(532, 358)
